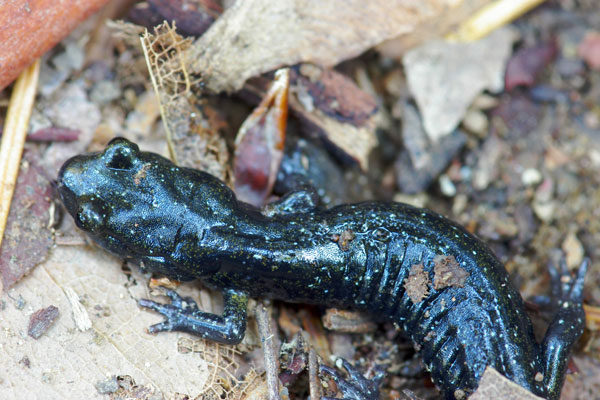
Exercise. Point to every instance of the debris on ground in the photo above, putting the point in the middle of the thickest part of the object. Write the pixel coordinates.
(501, 134)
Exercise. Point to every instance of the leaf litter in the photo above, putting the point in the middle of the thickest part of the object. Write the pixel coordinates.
(326, 104)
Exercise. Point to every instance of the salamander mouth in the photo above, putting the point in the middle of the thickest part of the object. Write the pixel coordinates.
(67, 196)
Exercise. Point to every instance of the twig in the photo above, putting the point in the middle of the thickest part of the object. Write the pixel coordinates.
(13, 139)
(490, 17)
(313, 381)
(271, 364)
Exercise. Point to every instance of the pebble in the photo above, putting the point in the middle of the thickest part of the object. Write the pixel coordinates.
(447, 186)
(531, 176)
(476, 122)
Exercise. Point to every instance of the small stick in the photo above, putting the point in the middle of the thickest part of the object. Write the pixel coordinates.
(490, 17)
(271, 364)
(313, 381)
(13, 139)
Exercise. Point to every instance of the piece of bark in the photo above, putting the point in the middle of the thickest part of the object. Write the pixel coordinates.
(262, 35)
(493, 385)
(30, 28)
(268, 340)
(41, 321)
(332, 108)
(331, 104)
(347, 321)
(28, 237)
(192, 18)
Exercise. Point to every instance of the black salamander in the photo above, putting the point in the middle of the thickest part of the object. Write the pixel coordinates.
(438, 283)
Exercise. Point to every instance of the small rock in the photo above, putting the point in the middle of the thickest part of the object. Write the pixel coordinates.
(531, 176)
(484, 102)
(107, 386)
(486, 170)
(71, 59)
(459, 204)
(544, 211)
(594, 155)
(591, 120)
(573, 249)
(446, 186)
(476, 122)
(105, 92)
(568, 67)
(41, 320)
(545, 191)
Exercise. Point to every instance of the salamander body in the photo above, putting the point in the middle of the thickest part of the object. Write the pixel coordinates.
(438, 283)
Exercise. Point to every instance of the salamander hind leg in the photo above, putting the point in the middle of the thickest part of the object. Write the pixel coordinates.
(356, 387)
(567, 326)
(183, 315)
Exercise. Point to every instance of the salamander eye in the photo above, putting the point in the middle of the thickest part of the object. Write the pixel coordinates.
(91, 216)
(120, 154)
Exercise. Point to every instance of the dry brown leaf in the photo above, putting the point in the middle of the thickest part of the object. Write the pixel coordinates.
(493, 385)
(332, 104)
(259, 143)
(255, 36)
(27, 237)
(445, 77)
(67, 363)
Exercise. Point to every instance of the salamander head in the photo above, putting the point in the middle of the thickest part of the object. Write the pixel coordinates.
(141, 206)
(93, 186)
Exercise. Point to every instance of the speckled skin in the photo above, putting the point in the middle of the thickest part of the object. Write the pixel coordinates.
(186, 224)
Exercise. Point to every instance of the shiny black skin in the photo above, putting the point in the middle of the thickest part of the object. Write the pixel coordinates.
(186, 224)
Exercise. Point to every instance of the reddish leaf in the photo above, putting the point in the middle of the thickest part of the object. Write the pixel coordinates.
(259, 144)
(27, 238)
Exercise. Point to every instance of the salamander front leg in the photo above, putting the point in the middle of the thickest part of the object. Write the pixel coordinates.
(567, 326)
(356, 387)
(183, 315)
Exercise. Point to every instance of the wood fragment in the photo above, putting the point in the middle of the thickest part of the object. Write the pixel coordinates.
(313, 380)
(268, 345)
(41, 320)
(491, 17)
(13, 139)
(347, 321)
(80, 314)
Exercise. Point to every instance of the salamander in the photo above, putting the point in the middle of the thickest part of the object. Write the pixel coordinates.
(439, 284)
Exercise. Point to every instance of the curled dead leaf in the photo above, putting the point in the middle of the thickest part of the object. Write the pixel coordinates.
(259, 144)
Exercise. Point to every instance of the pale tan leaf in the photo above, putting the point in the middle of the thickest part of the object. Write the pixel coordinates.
(255, 36)
(493, 385)
(67, 363)
(445, 78)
